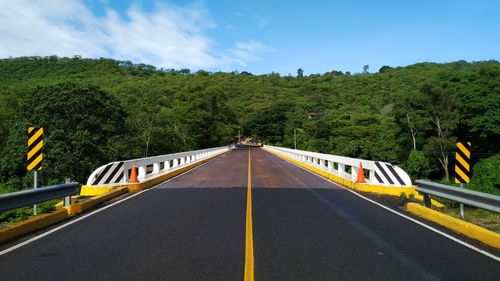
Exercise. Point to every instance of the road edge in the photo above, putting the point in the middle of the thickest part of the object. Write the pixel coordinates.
(465, 228)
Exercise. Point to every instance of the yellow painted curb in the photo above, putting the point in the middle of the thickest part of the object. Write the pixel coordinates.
(87, 190)
(134, 187)
(466, 228)
(378, 189)
(92, 191)
(32, 224)
(77, 208)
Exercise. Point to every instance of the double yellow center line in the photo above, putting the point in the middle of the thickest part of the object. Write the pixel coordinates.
(249, 268)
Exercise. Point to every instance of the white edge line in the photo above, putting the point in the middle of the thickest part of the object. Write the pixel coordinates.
(24, 243)
(472, 247)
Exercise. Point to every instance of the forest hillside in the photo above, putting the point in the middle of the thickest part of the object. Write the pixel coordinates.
(98, 110)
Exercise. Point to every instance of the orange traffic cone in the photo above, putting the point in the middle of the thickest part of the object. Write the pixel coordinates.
(133, 174)
(361, 174)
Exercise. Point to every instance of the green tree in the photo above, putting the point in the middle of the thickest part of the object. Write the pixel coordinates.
(83, 128)
(381, 116)
(365, 69)
(384, 68)
(8, 105)
(485, 177)
(300, 73)
(443, 112)
(417, 165)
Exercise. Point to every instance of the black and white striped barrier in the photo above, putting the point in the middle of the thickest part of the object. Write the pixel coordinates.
(116, 173)
(379, 173)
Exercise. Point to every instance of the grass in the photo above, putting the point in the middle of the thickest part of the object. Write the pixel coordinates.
(23, 213)
(483, 218)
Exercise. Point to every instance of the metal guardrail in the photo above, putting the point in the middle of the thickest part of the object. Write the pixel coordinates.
(379, 173)
(468, 197)
(118, 172)
(14, 200)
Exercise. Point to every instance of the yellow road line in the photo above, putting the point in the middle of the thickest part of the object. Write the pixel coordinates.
(249, 270)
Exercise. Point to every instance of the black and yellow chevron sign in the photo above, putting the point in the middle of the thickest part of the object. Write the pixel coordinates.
(35, 148)
(462, 162)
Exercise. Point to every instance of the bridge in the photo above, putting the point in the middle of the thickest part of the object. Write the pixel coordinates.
(248, 213)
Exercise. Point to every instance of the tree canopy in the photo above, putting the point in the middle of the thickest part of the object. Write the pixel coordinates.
(380, 116)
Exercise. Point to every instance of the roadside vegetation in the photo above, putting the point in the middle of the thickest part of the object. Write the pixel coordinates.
(97, 111)
(483, 218)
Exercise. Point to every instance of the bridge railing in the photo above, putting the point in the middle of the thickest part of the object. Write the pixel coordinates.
(379, 173)
(117, 173)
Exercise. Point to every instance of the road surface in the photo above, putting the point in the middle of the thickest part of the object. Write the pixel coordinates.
(194, 227)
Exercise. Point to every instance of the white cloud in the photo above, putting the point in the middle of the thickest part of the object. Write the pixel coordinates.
(261, 22)
(171, 36)
(245, 51)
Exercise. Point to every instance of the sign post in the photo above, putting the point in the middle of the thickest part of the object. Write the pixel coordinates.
(35, 155)
(462, 167)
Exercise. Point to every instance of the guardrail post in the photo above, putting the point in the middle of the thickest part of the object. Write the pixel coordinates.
(427, 200)
(67, 201)
(175, 163)
(166, 165)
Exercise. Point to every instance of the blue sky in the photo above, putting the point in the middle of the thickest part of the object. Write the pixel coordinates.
(255, 36)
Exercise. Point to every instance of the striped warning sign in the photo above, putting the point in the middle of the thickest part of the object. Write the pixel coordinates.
(386, 173)
(462, 162)
(112, 173)
(35, 148)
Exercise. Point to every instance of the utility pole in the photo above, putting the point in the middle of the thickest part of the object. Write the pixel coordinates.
(295, 138)
(239, 137)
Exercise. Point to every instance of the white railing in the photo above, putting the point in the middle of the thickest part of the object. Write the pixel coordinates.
(379, 173)
(116, 173)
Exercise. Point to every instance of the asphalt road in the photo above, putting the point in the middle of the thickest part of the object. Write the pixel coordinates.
(193, 228)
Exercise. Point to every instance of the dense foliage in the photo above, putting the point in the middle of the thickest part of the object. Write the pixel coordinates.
(385, 116)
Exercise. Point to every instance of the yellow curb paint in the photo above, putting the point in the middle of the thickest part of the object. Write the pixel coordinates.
(378, 189)
(32, 224)
(92, 190)
(77, 208)
(249, 262)
(466, 228)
